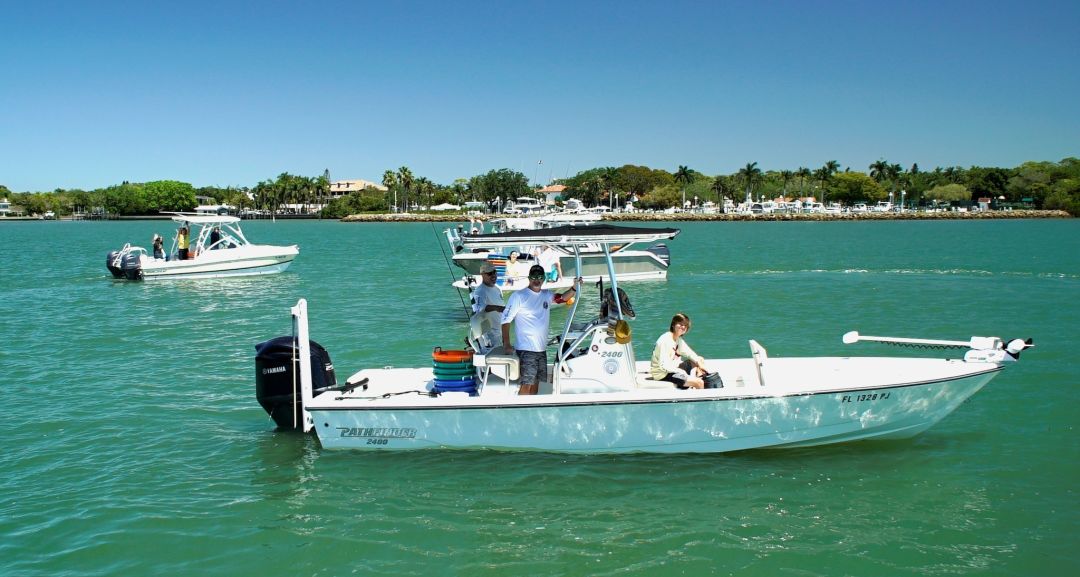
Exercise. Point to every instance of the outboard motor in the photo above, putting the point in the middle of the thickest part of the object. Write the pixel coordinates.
(662, 252)
(277, 363)
(131, 266)
(116, 271)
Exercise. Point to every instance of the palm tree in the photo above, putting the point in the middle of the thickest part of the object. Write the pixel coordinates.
(750, 175)
(685, 176)
(405, 177)
(803, 173)
(822, 175)
(786, 176)
(719, 188)
(390, 181)
(879, 170)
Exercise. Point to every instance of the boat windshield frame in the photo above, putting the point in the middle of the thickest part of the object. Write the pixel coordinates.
(230, 226)
(573, 239)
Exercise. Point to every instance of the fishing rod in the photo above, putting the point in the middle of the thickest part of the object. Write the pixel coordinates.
(464, 307)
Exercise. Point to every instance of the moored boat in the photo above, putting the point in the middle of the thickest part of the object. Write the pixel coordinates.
(218, 249)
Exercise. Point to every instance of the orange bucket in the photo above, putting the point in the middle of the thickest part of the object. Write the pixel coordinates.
(453, 356)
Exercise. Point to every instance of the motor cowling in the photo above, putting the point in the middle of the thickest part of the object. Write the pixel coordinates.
(131, 265)
(277, 378)
(110, 259)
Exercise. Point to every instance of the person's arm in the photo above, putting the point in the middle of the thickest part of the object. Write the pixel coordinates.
(508, 317)
(689, 354)
(570, 292)
(508, 345)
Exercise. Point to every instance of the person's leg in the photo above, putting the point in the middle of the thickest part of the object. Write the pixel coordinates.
(528, 382)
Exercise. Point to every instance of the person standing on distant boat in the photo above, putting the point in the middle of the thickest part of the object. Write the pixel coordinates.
(549, 259)
(182, 242)
(674, 361)
(159, 248)
(215, 236)
(530, 310)
(514, 272)
(487, 298)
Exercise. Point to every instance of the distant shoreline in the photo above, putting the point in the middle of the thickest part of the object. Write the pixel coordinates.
(696, 217)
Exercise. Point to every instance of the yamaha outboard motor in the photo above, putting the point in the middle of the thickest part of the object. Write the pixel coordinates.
(277, 364)
(132, 266)
(115, 270)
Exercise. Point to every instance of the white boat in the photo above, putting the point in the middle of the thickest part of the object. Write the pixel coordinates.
(601, 400)
(631, 263)
(218, 248)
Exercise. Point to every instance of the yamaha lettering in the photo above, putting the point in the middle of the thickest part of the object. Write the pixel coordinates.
(272, 370)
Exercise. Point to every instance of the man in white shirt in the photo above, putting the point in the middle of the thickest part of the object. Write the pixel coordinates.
(530, 310)
(486, 296)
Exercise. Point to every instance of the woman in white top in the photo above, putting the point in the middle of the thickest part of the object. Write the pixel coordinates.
(674, 361)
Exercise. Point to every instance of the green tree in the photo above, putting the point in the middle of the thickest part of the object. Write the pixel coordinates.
(168, 195)
(852, 187)
(503, 184)
(949, 193)
(661, 197)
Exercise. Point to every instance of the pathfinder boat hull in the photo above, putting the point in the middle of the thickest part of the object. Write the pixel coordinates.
(786, 414)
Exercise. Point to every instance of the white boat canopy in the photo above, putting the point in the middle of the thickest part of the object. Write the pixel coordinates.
(205, 219)
(571, 236)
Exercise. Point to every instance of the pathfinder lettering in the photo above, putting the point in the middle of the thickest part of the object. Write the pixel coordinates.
(378, 432)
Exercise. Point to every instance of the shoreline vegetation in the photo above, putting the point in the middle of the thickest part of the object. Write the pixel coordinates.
(1032, 186)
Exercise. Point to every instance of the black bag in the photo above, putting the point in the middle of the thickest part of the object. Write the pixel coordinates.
(713, 381)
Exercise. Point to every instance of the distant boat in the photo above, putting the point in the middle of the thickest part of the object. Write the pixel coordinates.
(631, 263)
(218, 249)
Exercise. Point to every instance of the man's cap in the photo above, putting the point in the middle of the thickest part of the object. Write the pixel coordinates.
(488, 267)
(536, 269)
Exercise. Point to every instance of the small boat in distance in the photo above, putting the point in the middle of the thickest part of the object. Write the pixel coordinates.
(600, 399)
(218, 249)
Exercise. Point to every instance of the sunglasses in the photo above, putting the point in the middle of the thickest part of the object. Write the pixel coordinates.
(536, 277)
(491, 272)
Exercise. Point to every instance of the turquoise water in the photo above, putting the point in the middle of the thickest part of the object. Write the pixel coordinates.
(133, 443)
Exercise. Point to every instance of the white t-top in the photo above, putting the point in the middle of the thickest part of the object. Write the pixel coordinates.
(531, 313)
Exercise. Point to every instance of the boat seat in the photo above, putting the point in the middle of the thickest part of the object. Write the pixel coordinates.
(645, 381)
(760, 356)
(497, 358)
(485, 331)
(485, 337)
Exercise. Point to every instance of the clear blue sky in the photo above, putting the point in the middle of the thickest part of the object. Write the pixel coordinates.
(230, 93)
